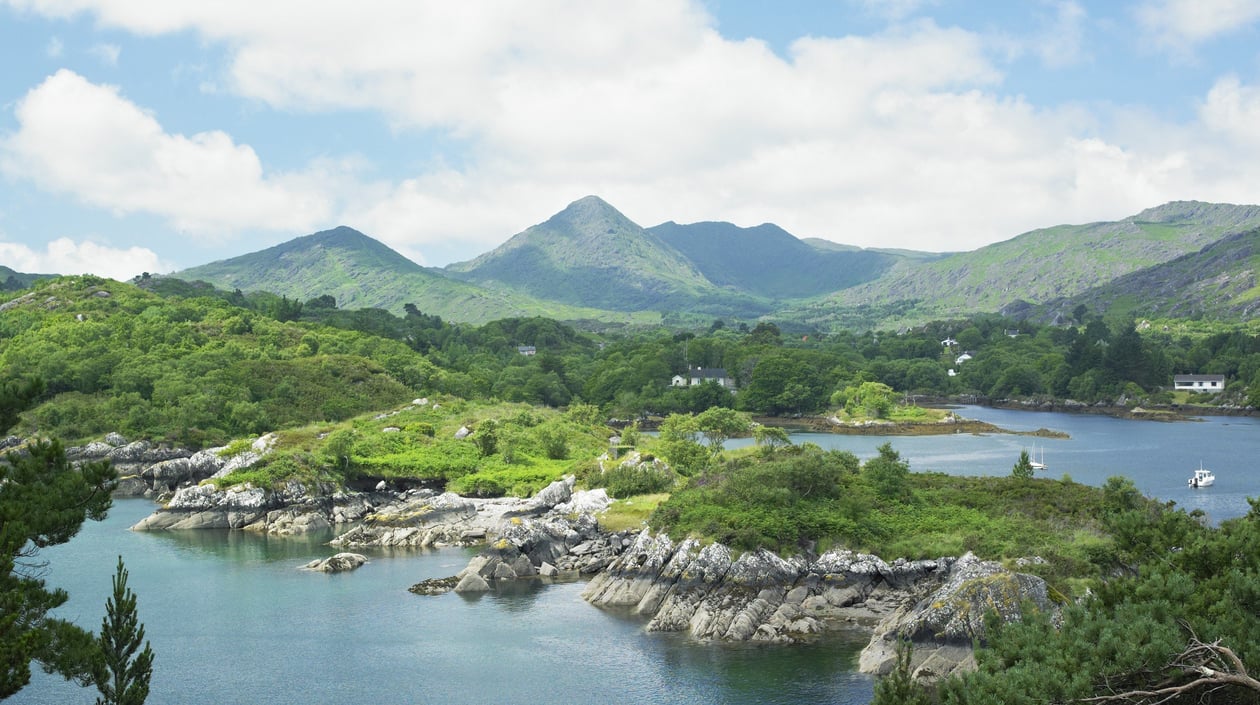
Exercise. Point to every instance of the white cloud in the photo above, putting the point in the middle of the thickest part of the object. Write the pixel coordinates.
(107, 54)
(902, 138)
(65, 256)
(1181, 24)
(1062, 42)
(54, 48)
(86, 140)
(1232, 110)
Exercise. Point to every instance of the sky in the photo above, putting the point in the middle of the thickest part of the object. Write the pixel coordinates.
(154, 135)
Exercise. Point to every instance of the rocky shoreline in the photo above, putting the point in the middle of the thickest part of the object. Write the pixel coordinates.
(706, 591)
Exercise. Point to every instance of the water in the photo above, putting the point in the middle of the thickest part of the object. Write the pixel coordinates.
(1158, 456)
(232, 620)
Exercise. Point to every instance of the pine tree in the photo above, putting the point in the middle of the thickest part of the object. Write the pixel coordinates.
(44, 499)
(122, 674)
(1023, 469)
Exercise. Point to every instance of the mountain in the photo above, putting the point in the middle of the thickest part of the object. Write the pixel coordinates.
(360, 272)
(1219, 281)
(768, 261)
(12, 280)
(590, 254)
(1043, 265)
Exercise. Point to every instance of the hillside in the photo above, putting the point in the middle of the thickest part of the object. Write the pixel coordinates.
(768, 261)
(590, 254)
(1041, 265)
(189, 371)
(360, 272)
(1217, 282)
(13, 280)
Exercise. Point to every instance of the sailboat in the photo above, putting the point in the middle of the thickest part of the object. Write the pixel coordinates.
(1039, 464)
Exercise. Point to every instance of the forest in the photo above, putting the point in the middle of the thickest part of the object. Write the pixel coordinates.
(364, 395)
(198, 366)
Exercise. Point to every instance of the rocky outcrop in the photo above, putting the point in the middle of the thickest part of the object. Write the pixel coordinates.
(292, 508)
(340, 563)
(148, 470)
(938, 604)
(422, 518)
(944, 624)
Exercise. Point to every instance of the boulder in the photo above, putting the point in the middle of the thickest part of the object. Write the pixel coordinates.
(472, 583)
(340, 563)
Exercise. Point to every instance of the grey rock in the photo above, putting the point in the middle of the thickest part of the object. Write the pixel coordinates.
(131, 486)
(472, 583)
(340, 563)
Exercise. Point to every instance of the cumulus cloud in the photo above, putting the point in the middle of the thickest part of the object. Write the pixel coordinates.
(65, 256)
(84, 139)
(1181, 24)
(901, 138)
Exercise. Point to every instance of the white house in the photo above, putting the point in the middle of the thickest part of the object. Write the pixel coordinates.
(700, 375)
(1199, 383)
(962, 358)
(527, 350)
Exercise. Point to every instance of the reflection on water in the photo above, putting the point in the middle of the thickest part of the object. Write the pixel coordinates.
(233, 620)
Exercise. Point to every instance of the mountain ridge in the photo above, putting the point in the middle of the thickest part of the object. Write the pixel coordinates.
(590, 261)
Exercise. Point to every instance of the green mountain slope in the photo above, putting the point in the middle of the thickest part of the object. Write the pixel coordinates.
(12, 280)
(590, 254)
(1043, 265)
(768, 261)
(360, 272)
(1217, 282)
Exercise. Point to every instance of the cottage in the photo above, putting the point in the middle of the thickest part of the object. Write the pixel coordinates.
(1211, 384)
(700, 375)
(526, 350)
(962, 358)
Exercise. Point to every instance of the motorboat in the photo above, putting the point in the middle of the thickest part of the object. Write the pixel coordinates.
(1202, 478)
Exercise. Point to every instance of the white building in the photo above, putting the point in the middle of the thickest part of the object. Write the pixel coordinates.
(1211, 384)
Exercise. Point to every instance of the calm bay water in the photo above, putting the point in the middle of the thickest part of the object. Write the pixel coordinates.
(232, 620)
(1158, 456)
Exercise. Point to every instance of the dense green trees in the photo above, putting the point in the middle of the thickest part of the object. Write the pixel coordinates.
(199, 366)
(1175, 617)
(44, 500)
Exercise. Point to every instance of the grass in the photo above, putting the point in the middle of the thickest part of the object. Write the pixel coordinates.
(631, 512)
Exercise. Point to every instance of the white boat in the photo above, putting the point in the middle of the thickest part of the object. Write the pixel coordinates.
(1202, 478)
(1040, 464)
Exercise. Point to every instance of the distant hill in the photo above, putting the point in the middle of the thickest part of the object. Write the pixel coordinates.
(1219, 281)
(1043, 265)
(360, 272)
(768, 261)
(12, 280)
(590, 254)
(589, 261)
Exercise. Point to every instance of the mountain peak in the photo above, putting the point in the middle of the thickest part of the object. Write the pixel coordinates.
(591, 214)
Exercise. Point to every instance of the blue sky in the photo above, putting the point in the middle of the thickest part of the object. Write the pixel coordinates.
(153, 135)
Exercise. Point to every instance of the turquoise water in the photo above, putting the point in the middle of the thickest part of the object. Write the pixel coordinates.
(232, 620)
